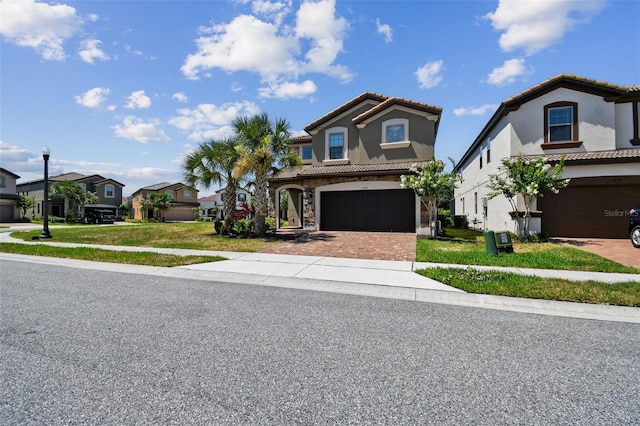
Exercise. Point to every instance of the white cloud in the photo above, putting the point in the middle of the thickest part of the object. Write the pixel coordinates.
(288, 90)
(41, 26)
(246, 43)
(138, 100)
(508, 72)
(536, 25)
(93, 98)
(272, 49)
(429, 75)
(385, 30)
(475, 110)
(89, 51)
(180, 97)
(141, 131)
(209, 120)
(276, 11)
(317, 21)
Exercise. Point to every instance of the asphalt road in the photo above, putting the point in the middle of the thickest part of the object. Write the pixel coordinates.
(80, 347)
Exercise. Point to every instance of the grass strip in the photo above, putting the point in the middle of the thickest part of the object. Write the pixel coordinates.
(111, 256)
(525, 255)
(515, 285)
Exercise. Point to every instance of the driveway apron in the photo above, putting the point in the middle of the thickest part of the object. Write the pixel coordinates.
(354, 245)
(621, 251)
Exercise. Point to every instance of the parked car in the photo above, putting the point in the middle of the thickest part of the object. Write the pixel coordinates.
(634, 226)
(99, 216)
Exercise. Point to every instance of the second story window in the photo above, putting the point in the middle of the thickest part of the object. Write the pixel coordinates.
(242, 197)
(336, 143)
(187, 194)
(109, 191)
(307, 152)
(395, 130)
(561, 122)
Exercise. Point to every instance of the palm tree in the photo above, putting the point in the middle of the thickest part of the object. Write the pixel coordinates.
(161, 201)
(214, 162)
(67, 189)
(264, 150)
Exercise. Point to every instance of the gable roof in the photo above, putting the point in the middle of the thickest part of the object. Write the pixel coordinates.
(610, 92)
(163, 185)
(13, 175)
(75, 177)
(213, 197)
(375, 98)
(428, 110)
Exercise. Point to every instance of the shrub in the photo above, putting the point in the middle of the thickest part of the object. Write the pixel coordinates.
(460, 222)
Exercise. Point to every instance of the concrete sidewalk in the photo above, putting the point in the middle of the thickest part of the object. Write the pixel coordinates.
(376, 278)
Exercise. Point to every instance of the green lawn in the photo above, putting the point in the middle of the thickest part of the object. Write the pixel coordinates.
(525, 255)
(193, 235)
(516, 285)
(98, 255)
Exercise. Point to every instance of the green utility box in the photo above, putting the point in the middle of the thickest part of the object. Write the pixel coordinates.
(490, 243)
(503, 241)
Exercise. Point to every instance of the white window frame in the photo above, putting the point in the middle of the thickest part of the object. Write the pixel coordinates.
(345, 149)
(187, 193)
(106, 191)
(385, 144)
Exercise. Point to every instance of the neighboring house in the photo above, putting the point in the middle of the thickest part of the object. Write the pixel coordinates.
(186, 200)
(353, 158)
(108, 191)
(242, 196)
(594, 125)
(8, 196)
(209, 207)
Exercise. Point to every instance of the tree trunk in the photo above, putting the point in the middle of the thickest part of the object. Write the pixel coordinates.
(229, 205)
(260, 203)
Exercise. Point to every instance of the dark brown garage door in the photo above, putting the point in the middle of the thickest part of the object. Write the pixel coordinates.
(376, 210)
(591, 208)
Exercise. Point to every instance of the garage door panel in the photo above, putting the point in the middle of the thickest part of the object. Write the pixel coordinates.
(376, 210)
(589, 211)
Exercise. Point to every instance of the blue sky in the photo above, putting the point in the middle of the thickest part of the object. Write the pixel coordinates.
(125, 88)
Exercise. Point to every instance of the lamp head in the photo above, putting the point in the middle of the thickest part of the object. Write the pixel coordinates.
(45, 152)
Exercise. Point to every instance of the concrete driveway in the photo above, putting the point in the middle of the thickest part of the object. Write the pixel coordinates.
(621, 251)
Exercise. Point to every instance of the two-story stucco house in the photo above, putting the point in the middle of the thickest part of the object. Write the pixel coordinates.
(594, 125)
(108, 191)
(8, 196)
(353, 158)
(186, 200)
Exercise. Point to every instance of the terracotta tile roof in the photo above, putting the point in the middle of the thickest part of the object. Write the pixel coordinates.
(346, 169)
(213, 197)
(375, 97)
(300, 139)
(67, 176)
(565, 79)
(397, 101)
(594, 156)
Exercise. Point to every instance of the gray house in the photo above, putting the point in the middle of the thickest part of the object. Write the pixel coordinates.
(8, 196)
(108, 191)
(353, 158)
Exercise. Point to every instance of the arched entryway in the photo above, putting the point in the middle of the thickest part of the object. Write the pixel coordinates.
(289, 205)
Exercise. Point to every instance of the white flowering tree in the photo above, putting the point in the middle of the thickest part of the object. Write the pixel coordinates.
(528, 179)
(430, 182)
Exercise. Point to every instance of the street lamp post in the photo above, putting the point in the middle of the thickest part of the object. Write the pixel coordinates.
(45, 205)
